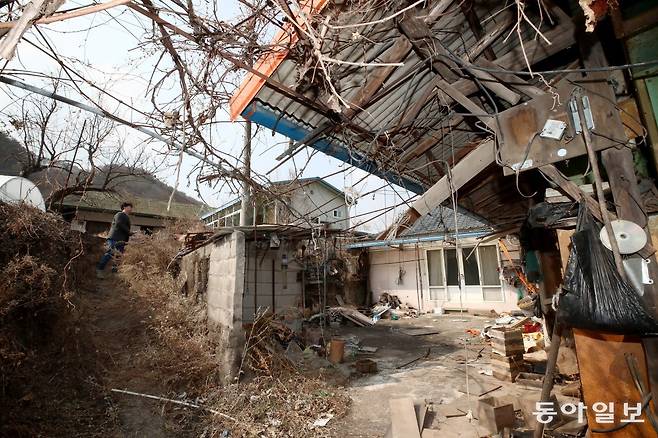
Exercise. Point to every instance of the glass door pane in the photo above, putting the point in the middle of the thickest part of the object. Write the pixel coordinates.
(452, 270)
(489, 265)
(471, 273)
(435, 268)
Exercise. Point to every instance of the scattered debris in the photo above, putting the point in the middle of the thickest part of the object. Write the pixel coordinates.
(178, 402)
(572, 390)
(506, 342)
(473, 332)
(366, 366)
(353, 315)
(419, 331)
(267, 341)
(425, 356)
(323, 420)
(404, 423)
(532, 380)
(495, 414)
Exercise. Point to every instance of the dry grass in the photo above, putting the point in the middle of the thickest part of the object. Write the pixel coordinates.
(283, 406)
(185, 354)
(42, 268)
(39, 269)
(284, 403)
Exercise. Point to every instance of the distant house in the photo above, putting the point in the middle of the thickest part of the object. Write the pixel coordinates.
(93, 212)
(428, 267)
(302, 202)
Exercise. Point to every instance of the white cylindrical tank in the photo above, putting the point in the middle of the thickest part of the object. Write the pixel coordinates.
(17, 189)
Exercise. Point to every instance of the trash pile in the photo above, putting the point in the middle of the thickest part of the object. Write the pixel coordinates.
(390, 307)
(530, 329)
(267, 342)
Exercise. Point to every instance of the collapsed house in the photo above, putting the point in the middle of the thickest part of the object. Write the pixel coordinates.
(491, 108)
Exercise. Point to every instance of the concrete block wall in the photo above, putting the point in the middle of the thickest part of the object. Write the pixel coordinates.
(258, 293)
(223, 296)
(226, 271)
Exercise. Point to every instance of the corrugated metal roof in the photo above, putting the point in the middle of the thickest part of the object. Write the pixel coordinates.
(366, 44)
(372, 138)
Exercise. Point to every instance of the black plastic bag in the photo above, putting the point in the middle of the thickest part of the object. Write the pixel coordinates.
(594, 296)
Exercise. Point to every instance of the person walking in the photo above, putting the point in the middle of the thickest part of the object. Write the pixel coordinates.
(117, 238)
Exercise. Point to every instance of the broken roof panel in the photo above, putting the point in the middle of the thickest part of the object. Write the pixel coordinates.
(402, 122)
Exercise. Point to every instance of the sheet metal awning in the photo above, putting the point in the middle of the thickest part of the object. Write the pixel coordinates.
(403, 123)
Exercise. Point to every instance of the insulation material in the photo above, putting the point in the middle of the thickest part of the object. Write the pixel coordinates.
(594, 11)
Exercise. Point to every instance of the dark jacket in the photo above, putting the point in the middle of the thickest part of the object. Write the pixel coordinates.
(120, 230)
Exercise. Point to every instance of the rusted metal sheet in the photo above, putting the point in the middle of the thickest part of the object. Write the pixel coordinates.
(521, 146)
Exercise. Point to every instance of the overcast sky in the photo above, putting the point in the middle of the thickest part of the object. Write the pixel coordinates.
(105, 48)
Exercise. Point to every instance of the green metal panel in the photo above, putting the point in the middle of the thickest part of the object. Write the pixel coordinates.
(652, 89)
(644, 47)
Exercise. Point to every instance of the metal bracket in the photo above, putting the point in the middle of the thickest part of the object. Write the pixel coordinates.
(575, 117)
(637, 271)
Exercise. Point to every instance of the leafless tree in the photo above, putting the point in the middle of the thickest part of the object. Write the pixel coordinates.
(67, 154)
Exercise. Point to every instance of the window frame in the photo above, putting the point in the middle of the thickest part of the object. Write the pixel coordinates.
(460, 260)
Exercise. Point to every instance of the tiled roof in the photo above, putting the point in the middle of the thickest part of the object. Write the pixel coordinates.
(442, 219)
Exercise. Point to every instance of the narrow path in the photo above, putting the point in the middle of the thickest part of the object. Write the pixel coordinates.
(118, 323)
(120, 332)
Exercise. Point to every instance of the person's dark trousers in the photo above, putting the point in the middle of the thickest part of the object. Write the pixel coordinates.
(112, 247)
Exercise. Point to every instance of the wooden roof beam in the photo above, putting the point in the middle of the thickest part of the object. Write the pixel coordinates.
(462, 172)
(422, 39)
(468, 10)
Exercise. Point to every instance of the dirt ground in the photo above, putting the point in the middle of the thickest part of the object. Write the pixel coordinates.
(438, 377)
(106, 346)
(120, 327)
(114, 343)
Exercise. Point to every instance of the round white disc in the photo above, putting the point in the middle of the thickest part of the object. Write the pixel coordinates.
(630, 236)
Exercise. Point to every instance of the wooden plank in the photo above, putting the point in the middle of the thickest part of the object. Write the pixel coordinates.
(495, 85)
(428, 47)
(564, 242)
(403, 418)
(419, 331)
(421, 412)
(603, 371)
(571, 189)
(396, 53)
(466, 169)
(561, 37)
(513, 80)
(487, 39)
(474, 23)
